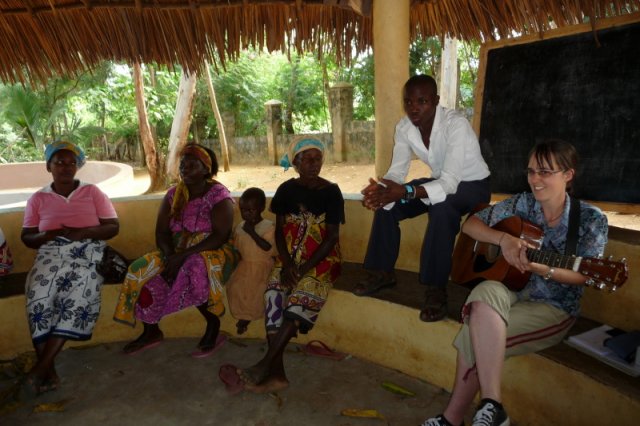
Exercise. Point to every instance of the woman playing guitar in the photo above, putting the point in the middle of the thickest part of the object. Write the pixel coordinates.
(499, 322)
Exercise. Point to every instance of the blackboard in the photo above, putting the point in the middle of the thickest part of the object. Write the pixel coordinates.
(583, 88)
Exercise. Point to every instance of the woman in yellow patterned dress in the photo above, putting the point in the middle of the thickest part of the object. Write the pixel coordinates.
(193, 259)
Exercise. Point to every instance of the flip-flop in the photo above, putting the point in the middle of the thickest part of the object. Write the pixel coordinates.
(203, 353)
(144, 347)
(229, 375)
(318, 348)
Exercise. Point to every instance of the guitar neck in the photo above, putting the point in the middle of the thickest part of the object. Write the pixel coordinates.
(554, 259)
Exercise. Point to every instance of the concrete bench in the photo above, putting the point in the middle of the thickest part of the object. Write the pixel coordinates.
(559, 385)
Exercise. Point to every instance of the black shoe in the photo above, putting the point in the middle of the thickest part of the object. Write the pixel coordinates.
(439, 420)
(490, 413)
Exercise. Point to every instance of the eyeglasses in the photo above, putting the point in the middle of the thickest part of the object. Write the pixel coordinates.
(543, 173)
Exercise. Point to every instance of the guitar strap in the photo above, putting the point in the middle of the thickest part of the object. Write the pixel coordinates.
(571, 248)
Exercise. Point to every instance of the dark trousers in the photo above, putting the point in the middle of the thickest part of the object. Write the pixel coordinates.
(442, 228)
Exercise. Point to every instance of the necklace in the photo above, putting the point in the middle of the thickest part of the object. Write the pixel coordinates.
(555, 218)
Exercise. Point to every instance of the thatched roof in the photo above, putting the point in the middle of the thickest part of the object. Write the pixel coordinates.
(39, 38)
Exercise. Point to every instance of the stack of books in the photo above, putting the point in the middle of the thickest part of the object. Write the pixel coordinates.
(592, 343)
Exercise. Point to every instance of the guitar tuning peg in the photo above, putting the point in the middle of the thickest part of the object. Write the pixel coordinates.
(623, 260)
(601, 286)
(613, 289)
(610, 257)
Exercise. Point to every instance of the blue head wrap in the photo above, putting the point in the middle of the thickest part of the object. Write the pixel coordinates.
(297, 147)
(56, 146)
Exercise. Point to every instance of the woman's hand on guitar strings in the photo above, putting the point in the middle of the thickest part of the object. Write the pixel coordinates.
(514, 251)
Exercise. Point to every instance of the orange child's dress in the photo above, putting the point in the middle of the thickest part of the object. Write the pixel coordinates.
(246, 287)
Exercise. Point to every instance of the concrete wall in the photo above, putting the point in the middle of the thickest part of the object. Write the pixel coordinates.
(137, 222)
(19, 180)
(253, 149)
(374, 330)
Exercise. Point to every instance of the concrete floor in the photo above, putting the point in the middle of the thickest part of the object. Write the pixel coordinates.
(165, 386)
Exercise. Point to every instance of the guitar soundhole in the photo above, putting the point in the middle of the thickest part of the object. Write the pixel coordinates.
(493, 253)
(483, 262)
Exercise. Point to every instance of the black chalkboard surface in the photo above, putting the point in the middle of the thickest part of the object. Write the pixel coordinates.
(573, 89)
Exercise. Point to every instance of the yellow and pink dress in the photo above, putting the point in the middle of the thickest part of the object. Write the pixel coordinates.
(146, 295)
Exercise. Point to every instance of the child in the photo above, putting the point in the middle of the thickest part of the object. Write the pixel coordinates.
(254, 239)
(309, 211)
(6, 261)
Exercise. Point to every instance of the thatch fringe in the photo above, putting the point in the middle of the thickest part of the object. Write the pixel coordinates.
(41, 38)
(45, 37)
(486, 20)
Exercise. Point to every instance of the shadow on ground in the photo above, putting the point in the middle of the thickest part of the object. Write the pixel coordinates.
(165, 386)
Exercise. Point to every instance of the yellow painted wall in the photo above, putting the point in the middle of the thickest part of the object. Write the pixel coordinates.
(137, 224)
(377, 331)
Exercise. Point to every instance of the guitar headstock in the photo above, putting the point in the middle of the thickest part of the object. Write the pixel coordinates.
(604, 273)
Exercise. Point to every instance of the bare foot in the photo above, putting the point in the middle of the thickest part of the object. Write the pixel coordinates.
(271, 384)
(241, 326)
(50, 382)
(253, 375)
(208, 340)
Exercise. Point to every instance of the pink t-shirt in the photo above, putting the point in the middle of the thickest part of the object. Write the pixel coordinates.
(84, 207)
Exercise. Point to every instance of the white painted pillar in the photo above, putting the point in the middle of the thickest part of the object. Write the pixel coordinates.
(448, 88)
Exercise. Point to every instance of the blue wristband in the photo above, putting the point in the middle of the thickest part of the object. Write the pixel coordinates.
(410, 193)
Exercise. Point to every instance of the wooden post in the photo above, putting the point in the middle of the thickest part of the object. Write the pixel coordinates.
(274, 127)
(341, 110)
(449, 73)
(153, 157)
(214, 105)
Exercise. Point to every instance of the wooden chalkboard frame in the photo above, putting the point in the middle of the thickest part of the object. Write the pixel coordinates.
(561, 32)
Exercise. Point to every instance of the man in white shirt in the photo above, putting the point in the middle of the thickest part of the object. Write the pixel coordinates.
(443, 139)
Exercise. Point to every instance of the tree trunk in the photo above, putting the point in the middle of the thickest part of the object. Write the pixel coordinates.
(155, 164)
(291, 97)
(181, 122)
(153, 82)
(216, 112)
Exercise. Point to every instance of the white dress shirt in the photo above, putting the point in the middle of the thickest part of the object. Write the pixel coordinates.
(453, 155)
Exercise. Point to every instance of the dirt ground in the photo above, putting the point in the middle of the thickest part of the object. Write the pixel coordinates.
(350, 177)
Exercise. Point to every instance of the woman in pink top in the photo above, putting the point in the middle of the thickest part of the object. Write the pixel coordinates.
(67, 222)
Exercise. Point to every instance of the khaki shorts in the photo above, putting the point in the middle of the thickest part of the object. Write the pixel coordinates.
(531, 326)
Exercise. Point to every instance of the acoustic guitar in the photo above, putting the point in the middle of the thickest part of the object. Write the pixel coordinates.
(475, 261)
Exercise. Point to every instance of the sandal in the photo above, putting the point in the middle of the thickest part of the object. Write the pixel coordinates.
(375, 282)
(229, 375)
(140, 344)
(205, 351)
(320, 349)
(435, 304)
